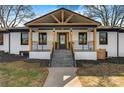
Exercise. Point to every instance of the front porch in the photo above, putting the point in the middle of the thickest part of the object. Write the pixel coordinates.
(62, 29)
(68, 41)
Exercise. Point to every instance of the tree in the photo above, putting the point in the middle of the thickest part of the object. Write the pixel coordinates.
(108, 15)
(13, 15)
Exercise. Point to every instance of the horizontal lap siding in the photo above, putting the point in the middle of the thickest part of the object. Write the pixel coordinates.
(75, 36)
(49, 39)
(5, 46)
(40, 55)
(111, 47)
(16, 43)
(121, 44)
(85, 55)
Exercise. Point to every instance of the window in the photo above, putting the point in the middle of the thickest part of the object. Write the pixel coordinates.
(24, 38)
(83, 38)
(1, 38)
(103, 38)
(42, 38)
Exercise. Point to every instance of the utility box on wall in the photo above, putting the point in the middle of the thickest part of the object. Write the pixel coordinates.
(101, 53)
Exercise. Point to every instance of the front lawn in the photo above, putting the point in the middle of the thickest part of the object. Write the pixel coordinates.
(22, 73)
(101, 75)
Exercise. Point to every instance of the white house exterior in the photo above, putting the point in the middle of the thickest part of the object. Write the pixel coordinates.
(73, 27)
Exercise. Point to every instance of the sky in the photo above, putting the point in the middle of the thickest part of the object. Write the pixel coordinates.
(44, 9)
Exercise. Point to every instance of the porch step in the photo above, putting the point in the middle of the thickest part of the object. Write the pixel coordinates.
(62, 58)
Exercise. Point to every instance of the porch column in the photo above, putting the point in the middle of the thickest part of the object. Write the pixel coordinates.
(71, 39)
(54, 38)
(94, 39)
(30, 39)
(67, 39)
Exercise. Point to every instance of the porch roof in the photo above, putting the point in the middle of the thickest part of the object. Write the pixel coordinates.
(62, 17)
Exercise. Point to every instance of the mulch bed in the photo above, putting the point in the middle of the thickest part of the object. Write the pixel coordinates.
(5, 58)
(113, 60)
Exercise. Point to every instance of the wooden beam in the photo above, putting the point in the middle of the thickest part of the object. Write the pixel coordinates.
(55, 18)
(54, 38)
(71, 39)
(62, 15)
(94, 39)
(56, 24)
(57, 36)
(67, 39)
(68, 18)
(30, 39)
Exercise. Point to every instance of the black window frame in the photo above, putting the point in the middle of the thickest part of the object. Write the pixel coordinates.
(1, 43)
(24, 38)
(106, 39)
(82, 33)
(43, 43)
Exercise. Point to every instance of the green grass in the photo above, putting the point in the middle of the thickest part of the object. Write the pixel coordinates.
(17, 75)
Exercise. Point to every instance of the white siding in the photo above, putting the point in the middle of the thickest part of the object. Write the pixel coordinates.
(39, 55)
(49, 40)
(75, 38)
(85, 55)
(111, 47)
(121, 44)
(5, 46)
(15, 43)
(16, 46)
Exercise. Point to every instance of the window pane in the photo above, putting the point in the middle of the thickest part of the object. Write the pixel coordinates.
(42, 38)
(1, 38)
(103, 37)
(24, 38)
(24, 35)
(83, 38)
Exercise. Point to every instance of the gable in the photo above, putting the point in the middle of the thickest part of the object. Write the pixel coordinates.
(62, 17)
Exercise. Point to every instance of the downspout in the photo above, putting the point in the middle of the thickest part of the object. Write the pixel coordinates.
(118, 43)
(9, 43)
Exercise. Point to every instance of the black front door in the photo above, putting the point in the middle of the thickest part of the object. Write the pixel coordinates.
(62, 40)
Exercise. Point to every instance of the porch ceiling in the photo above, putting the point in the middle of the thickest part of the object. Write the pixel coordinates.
(62, 17)
(64, 28)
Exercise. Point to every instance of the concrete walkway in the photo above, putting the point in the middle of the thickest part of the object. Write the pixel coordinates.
(62, 77)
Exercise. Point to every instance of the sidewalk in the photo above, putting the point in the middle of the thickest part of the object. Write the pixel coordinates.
(62, 77)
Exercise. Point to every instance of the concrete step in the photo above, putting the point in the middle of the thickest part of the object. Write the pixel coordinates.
(62, 58)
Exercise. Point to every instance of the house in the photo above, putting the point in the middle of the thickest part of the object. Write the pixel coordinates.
(63, 29)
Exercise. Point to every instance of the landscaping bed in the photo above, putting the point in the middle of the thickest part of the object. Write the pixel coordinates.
(108, 73)
(18, 71)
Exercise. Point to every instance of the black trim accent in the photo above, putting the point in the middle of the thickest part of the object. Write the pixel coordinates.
(106, 54)
(19, 29)
(62, 46)
(101, 43)
(44, 33)
(108, 29)
(24, 53)
(22, 38)
(66, 27)
(82, 33)
(2, 43)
